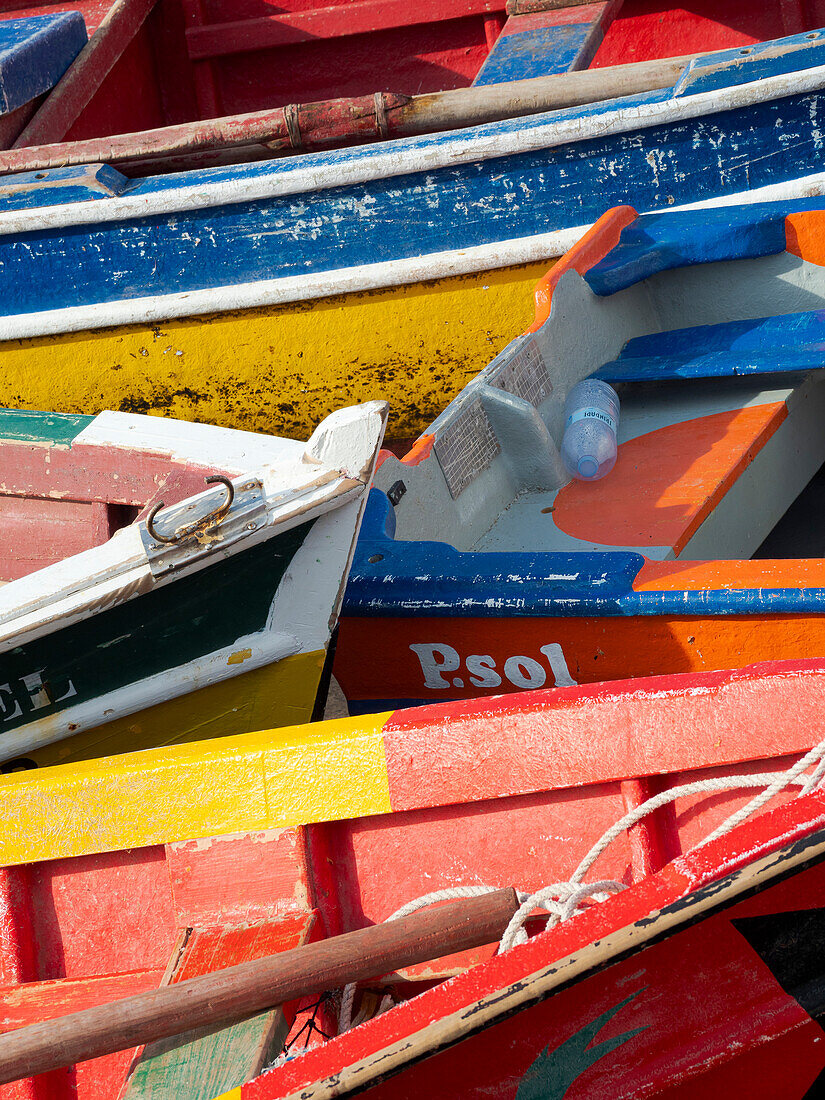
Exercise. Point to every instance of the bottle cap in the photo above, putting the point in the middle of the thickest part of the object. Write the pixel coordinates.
(588, 467)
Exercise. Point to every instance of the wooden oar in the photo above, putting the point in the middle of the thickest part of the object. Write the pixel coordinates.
(362, 118)
(228, 996)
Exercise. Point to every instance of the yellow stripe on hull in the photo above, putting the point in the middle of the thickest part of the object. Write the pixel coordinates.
(324, 771)
(280, 694)
(281, 369)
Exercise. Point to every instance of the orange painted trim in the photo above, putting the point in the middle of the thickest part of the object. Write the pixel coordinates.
(702, 576)
(805, 236)
(667, 482)
(420, 450)
(594, 246)
(383, 455)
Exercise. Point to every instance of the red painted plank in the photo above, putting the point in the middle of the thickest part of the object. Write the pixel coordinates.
(358, 17)
(37, 533)
(647, 29)
(206, 85)
(102, 914)
(246, 877)
(91, 473)
(461, 752)
(85, 75)
(215, 948)
(21, 1005)
(39, 1001)
(18, 961)
(175, 73)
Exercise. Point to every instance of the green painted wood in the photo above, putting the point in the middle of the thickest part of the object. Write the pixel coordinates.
(188, 618)
(24, 426)
(199, 1066)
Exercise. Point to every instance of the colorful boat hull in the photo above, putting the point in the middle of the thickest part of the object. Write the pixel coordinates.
(215, 852)
(131, 599)
(628, 589)
(325, 242)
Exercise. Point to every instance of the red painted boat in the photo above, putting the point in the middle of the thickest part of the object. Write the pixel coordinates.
(161, 63)
(705, 979)
(326, 828)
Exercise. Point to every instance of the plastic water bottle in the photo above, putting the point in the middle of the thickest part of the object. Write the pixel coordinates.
(591, 419)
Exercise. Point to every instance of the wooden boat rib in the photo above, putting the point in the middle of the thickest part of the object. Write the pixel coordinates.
(709, 324)
(124, 592)
(329, 827)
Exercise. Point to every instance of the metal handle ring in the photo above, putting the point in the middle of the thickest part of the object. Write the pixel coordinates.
(208, 520)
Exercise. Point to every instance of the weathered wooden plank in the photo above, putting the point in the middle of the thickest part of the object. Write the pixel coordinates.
(87, 474)
(358, 17)
(83, 78)
(36, 1001)
(207, 92)
(198, 1066)
(36, 533)
(21, 1005)
(240, 877)
(547, 42)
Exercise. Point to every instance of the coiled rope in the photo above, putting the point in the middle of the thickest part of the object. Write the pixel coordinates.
(563, 900)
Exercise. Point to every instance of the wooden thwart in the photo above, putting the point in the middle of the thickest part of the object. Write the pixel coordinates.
(228, 996)
(88, 71)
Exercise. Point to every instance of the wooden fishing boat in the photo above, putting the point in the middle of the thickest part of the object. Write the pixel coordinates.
(263, 295)
(327, 828)
(164, 580)
(704, 977)
(501, 574)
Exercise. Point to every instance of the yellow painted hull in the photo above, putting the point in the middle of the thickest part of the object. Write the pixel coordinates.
(280, 694)
(324, 771)
(281, 369)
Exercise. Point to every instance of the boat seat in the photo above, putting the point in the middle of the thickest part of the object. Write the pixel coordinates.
(705, 470)
(789, 342)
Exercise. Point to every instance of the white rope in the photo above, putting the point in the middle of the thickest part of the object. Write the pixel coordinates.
(815, 756)
(563, 900)
(450, 894)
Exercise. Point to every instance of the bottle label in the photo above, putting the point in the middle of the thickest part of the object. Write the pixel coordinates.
(588, 413)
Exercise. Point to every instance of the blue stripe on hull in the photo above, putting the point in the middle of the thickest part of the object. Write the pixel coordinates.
(434, 579)
(411, 215)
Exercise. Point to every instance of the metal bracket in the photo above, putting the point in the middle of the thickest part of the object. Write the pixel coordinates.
(184, 533)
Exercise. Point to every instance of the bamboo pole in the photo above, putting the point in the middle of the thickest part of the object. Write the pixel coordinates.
(228, 996)
(362, 118)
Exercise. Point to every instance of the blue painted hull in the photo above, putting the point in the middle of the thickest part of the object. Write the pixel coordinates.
(389, 217)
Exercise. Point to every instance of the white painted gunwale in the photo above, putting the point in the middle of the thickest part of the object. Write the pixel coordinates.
(123, 571)
(117, 570)
(313, 172)
(350, 280)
